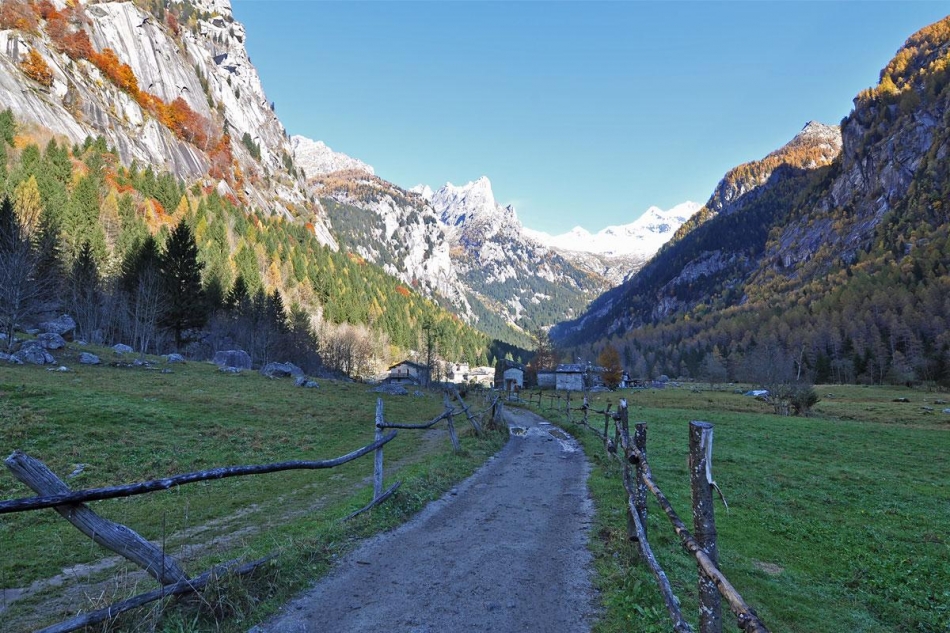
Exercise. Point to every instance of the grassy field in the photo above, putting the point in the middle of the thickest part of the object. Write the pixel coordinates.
(127, 424)
(838, 522)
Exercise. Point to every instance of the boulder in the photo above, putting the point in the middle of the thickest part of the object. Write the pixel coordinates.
(121, 349)
(10, 359)
(307, 384)
(232, 359)
(85, 358)
(392, 389)
(64, 326)
(174, 358)
(32, 352)
(51, 340)
(281, 370)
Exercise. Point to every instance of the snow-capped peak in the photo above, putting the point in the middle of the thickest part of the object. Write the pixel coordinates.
(468, 203)
(644, 236)
(423, 190)
(315, 158)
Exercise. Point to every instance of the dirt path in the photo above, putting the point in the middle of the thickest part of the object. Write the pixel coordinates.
(505, 551)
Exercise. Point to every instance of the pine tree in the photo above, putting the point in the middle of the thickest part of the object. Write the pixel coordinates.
(84, 293)
(181, 280)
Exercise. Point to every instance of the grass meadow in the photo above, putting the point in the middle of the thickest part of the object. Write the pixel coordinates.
(129, 424)
(837, 522)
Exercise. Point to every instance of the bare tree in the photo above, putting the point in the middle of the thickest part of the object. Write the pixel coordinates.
(23, 292)
(141, 283)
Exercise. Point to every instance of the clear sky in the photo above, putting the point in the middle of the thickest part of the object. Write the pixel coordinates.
(580, 113)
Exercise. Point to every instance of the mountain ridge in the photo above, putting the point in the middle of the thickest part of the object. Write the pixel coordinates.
(836, 267)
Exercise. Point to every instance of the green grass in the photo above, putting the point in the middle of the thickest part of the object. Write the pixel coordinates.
(838, 522)
(128, 424)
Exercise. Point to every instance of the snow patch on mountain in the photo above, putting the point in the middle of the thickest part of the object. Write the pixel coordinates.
(643, 237)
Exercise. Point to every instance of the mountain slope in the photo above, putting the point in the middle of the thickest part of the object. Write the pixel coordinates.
(460, 247)
(717, 248)
(526, 283)
(842, 266)
(172, 88)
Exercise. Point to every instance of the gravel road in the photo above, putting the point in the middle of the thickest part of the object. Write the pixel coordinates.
(505, 551)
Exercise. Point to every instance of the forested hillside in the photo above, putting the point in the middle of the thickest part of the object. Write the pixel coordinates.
(141, 258)
(836, 273)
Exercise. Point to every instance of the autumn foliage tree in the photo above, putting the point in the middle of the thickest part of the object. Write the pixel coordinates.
(609, 359)
(37, 69)
(17, 14)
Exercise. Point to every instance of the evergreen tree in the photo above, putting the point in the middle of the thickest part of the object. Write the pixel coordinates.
(180, 269)
(85, 297)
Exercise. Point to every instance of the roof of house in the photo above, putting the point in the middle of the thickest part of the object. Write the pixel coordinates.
(409, 363)
(571, 369)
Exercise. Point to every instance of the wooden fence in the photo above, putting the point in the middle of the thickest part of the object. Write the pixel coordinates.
(638, 482)
(54, 493)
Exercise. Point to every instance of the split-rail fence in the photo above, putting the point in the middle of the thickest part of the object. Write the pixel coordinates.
(54, 493)
(638, 482)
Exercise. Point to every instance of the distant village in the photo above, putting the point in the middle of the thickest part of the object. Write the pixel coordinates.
(512, 377)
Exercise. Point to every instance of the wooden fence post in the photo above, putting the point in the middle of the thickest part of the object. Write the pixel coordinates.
(378, 463)
(704, 522)
(640, 498)
(114, 536)
(450, 424)
(455, 439)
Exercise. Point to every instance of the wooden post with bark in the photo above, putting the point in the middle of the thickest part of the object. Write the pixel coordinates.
(468, 414)
(451, 426)
(640, 494)
(378, 462)
(109, 534)
(704, 522)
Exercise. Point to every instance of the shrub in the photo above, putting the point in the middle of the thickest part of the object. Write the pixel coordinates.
(37, 69)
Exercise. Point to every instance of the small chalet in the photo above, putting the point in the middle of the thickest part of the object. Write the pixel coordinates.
(509, 375)
(547, 378)
(407, 372)
(570, 377)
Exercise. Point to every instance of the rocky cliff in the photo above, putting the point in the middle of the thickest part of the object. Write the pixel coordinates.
(166, 84)
(460, 246)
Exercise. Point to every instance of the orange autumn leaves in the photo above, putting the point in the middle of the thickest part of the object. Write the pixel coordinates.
(66, 32)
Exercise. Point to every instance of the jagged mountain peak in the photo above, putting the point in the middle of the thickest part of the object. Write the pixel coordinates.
(316, 158)
(471, 204)
(423, 190)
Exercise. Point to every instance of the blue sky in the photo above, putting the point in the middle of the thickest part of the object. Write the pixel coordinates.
(580, 113)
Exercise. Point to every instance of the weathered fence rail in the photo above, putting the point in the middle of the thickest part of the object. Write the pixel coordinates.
(53, 493)
(638, 481)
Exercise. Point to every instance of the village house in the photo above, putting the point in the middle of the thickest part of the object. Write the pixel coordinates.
(570, 377)
(547, 378)
(407, 372)
(576, 377)
(509, 375)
